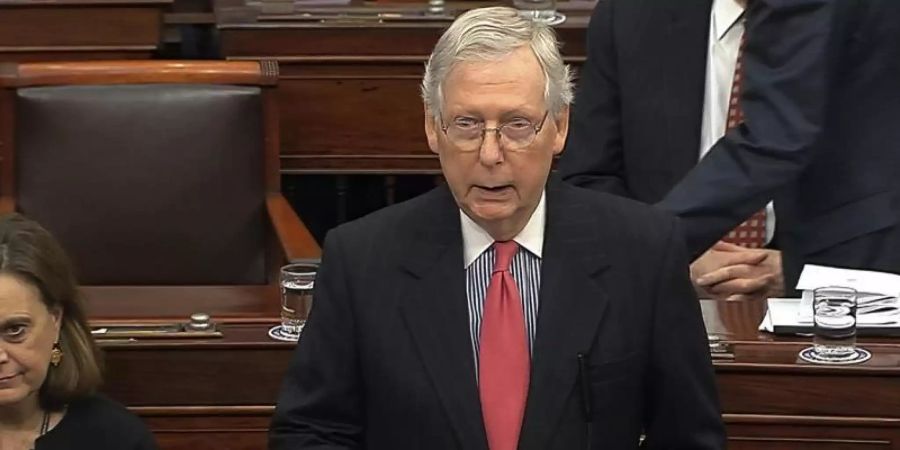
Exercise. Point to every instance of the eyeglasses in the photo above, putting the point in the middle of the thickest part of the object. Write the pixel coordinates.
(467, 134)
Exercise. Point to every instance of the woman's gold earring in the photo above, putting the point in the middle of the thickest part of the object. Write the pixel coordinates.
(56, 355)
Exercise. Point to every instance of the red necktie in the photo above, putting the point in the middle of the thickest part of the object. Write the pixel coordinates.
(752, 232)
(503, 359)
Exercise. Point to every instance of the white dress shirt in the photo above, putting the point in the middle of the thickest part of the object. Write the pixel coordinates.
(476, 240)
(726, 26)
(479, 257)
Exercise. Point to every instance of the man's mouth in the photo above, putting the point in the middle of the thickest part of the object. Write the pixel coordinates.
(496, 188)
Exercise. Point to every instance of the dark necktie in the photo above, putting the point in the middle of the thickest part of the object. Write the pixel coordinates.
(752, 232)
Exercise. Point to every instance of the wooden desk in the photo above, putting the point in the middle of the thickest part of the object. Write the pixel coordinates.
(56, 30)
(349, 88)
(220, 393)
(773, 400)
(198, 395)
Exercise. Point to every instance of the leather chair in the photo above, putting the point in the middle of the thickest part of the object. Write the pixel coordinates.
(160, 178)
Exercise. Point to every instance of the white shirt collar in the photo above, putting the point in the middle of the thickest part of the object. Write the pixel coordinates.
(725, 13)
(476, 240)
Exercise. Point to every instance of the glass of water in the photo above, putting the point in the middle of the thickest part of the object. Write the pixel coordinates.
(543, 11)
(834, 327)
(297, 282)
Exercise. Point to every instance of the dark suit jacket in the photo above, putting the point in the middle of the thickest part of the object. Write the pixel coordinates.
(821, 104)
(635, 127)
(386, 362)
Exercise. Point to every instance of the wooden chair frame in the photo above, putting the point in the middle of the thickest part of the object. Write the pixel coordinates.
(291, 239)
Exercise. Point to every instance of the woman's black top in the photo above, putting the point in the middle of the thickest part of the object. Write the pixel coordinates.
(97, 423)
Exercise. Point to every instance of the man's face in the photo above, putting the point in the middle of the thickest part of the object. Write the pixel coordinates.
(497, 187)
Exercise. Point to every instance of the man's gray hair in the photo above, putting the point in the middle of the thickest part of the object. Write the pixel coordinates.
(486, 34)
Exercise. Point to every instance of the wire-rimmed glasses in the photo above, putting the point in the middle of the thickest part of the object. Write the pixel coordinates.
(467, 134)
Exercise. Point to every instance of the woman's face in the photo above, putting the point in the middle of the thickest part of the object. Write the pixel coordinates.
(28, 331)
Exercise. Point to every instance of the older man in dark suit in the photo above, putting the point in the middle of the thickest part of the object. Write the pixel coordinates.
(501, 311)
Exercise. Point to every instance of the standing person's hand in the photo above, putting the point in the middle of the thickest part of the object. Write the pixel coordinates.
(728, 271)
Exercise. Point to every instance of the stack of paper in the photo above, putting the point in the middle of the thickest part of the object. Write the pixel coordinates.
(878, 308)
(877, 292)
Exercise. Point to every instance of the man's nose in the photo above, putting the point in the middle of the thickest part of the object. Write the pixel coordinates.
(490, 153)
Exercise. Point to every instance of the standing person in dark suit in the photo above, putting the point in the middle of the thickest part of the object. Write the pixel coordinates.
(501, 311)
(821, 107)
(653, 99)
(820, 104)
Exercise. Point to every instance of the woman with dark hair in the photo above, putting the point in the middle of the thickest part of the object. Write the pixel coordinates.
(49, 364)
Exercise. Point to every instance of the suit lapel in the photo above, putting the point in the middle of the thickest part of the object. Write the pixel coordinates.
(571, 306)
(436, 314)
(687, 33)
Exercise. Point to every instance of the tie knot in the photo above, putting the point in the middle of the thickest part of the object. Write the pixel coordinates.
(505, 252)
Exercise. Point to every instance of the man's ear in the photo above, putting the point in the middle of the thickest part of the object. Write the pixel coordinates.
(431, 130)
(561, 121)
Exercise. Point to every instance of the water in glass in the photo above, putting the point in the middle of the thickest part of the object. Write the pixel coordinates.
(297, 283)
(834, 319)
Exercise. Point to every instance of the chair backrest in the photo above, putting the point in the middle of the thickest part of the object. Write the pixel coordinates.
(148, 172)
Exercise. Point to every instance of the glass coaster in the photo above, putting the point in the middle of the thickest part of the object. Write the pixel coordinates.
(277, 333)
(557, 19)
(860, 355)
(534, 15)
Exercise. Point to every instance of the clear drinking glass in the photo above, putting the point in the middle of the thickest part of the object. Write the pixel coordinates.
(834, 327)
(543, 11)
(297, 283)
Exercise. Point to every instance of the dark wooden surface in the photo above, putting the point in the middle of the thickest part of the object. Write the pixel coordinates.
(773, 400)
(349, 86)
(188, 30)
(80, 29)
(251, 303)
(219, 393)
(213, 394)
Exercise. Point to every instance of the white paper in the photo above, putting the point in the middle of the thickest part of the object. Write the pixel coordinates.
(864, 281)
(793, 312)
(877, 292)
